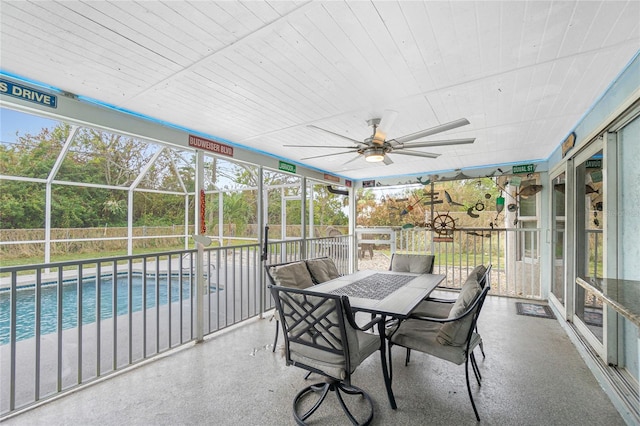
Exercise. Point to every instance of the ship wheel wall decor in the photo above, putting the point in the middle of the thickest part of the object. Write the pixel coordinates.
(443, 224)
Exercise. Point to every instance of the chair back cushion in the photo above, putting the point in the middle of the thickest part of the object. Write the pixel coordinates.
(484, 279)
(477, 274)
(293, 274)
(322, 269)
(455, 332)
(415, 263)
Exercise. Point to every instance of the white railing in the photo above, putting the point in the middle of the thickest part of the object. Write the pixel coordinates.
(514, 254)
(43, 350)
(132, 308)
(45, 353)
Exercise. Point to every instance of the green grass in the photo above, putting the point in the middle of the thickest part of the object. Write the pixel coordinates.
(33, 260)
(6, 261)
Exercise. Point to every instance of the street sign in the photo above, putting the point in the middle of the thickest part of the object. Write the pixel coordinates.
(523, 168)
(209, 145)
(28, 94)
(287, 167)
(332, 178)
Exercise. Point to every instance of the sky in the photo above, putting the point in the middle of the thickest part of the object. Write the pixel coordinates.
(12, 121)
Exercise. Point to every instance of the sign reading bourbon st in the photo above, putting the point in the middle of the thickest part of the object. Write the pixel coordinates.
(209, 145)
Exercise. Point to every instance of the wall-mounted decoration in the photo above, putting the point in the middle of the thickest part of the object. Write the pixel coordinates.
(529, 190)
(568, 143)
(443, 224)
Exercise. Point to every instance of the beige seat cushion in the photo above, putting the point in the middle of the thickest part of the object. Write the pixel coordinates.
(360, 347)
(322, 269)
(423, 336)
(293, 274)
(455, 333)
(415, 263)
(429, 308)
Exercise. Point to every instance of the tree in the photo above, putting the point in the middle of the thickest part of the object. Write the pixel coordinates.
(23, 202)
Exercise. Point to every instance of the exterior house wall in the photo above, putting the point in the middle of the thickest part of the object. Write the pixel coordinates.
(620, 100)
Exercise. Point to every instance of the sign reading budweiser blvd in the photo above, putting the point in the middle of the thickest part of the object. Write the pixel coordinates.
(209, 145)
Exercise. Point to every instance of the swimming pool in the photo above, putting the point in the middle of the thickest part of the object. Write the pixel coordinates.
(26, 302)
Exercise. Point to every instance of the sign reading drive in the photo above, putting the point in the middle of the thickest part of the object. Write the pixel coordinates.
(28, 94)
(209, 145)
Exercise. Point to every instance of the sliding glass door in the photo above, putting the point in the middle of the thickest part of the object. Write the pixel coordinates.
(589, 205)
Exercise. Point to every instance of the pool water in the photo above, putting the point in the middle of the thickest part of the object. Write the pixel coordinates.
(25, 303)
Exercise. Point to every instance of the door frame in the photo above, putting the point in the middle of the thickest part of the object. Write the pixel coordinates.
(560, 307)
(588, 151)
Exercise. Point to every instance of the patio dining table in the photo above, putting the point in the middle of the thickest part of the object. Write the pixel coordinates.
(389, 294)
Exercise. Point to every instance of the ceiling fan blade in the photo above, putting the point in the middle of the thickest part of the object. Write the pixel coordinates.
(385, 125)
(335, 134)
(433, 130)
(434, 143)
(322, 146)
(387, 160)
(352, 160)
(329, 155)
(388, 119)
(416, 153)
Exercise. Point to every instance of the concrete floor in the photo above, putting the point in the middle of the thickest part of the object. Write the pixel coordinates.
(532, 375)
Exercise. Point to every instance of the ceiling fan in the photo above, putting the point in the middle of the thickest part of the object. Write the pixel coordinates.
(376, 147)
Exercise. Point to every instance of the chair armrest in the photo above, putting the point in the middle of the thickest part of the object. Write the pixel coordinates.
(351, 319)
(468, 311)
(438, 300)
(367, 326)
(432, 319)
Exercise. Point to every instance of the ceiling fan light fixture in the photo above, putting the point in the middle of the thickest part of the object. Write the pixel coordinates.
(374, 155)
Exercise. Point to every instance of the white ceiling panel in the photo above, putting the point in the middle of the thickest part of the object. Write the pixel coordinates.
(257, 73)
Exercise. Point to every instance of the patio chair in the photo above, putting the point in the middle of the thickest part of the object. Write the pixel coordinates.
(440, 308)
(451, 339)
(416, 263)
(321, 337)
(289, 274)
